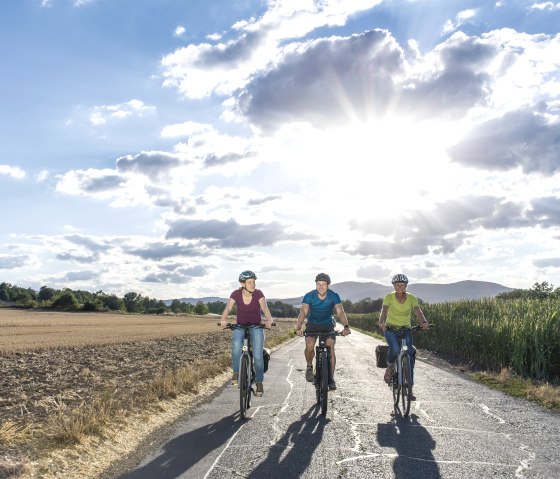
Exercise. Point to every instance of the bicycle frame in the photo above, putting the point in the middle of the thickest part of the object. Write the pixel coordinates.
(322, 368)
(246, 376)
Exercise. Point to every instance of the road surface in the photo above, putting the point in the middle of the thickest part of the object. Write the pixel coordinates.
(456, 429)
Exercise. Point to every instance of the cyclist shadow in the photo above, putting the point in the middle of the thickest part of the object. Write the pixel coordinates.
(300, 440)
(184, 451)
(414, 446)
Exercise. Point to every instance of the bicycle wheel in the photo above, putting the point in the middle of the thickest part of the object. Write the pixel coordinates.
(244, 386)
(396, 390)
(406, 390)
(324, 382)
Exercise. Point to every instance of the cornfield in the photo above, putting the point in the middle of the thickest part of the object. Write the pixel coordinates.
(520, 334)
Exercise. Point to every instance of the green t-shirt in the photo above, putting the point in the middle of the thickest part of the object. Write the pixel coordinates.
(398, 314)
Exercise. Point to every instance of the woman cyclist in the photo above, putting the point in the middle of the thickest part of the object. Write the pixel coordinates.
(250, 301)
(318, 306)
(396, 311)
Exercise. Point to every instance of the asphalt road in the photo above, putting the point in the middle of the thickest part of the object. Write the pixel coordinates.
(456, 429)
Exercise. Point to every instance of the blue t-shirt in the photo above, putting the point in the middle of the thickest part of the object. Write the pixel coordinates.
(321, 310)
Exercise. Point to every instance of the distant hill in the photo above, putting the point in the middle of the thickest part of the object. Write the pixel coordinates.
(427, 292)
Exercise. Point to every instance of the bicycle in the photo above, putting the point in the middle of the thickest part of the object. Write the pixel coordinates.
(322, 369)
(246, 377)
(401, 382)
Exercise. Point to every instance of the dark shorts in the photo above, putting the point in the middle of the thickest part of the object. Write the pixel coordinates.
(320, 328)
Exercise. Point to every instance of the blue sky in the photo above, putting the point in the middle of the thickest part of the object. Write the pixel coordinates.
(165, 146)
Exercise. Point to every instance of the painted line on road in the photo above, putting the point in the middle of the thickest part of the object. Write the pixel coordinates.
(285, 404)
(486, 410)
(228, 445)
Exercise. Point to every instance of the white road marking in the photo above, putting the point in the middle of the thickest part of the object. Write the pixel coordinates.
(486, 410)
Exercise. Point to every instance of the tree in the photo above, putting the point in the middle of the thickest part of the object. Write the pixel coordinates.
(200, 308)
(66, 301)
(46, 293)
(133, 302)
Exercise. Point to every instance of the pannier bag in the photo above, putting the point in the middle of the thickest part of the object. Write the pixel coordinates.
(266, 357)
(381, 352)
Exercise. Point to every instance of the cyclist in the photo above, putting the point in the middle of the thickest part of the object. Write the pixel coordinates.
(250, 301)
(318, 306)
(396, 311)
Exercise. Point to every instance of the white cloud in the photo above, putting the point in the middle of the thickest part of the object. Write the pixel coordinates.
(13, 171)
(102, 114)
(545, 6)
(179, 31)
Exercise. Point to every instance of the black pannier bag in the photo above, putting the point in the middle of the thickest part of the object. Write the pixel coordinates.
(266, 357)
(381, 352)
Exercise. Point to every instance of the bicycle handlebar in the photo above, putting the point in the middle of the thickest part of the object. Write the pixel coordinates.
(336, 333)
(235, 325)
(401, 329)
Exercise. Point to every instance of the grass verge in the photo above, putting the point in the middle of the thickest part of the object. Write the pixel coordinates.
(545, 394)
(542, 393)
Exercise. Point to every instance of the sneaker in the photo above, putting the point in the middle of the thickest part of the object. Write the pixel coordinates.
(234, 379)
(388, 374)
(309, 374)
(412, 397)
(260, 390)
(332, 385)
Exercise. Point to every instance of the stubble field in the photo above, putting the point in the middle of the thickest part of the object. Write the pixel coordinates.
(58, 368)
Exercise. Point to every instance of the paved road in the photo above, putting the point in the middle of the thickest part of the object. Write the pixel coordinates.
(457, 429)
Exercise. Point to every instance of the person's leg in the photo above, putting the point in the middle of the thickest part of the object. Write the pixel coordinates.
(394, 349)
(309, 355)
(257, 340)
(236, 344)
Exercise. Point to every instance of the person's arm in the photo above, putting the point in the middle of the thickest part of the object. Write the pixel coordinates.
(383, 317)
(227, 309)
(342, 317)
(266, 311)
(301, 318)
(421, 319)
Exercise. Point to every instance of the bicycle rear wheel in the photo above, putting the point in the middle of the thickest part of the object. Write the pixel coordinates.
(406, 390)
(244, 387)
(324, 382)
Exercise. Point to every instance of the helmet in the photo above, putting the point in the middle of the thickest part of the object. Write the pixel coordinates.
(399, 278)
(323, 277)
(246, 275)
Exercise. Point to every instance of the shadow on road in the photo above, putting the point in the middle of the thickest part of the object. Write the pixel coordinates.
(184, 451)
(414, 446)
(300, 440)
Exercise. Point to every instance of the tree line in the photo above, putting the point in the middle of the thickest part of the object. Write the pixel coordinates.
(77, 300)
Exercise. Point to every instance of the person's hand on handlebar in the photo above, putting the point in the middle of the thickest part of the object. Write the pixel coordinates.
(382, 326)
(425, 325)
(299, 332)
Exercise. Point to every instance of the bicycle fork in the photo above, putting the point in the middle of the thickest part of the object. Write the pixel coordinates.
(245, 352)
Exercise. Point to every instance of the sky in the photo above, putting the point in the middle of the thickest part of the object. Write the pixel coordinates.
(164, 146)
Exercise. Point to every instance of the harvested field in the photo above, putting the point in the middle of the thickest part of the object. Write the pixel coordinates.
(42, 388)
(25, 330)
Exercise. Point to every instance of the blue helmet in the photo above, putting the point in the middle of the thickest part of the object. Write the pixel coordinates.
(399, 278)
(246, 275)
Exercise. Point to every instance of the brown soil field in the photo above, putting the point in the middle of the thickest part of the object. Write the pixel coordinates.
(26, 330)
(56, 363)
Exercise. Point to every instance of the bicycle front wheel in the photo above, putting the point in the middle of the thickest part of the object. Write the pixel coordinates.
(324, 382)
(244, 386)
(406, 390)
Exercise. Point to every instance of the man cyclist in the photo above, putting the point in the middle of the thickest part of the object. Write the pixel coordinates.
(396, 311)
(318, 306)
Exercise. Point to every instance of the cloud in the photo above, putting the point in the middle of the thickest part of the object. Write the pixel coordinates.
(13, 262)
(81, 275)
(526, 138)
(159, 250)
(460, 19)
(14, 171)
(179, 276)
(449, 225)
(365, 77)
(179, 31)
(228, 234)
(216, 160)
(547, 262)
(77, 257)
(153, 164)
(545, 6)
(102, 114)
(266, 199)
